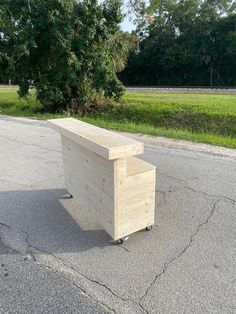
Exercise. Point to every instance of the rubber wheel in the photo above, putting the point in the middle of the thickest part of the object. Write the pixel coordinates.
(119, 241)
(148, 228)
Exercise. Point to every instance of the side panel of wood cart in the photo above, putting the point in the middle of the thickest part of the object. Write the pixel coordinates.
(135, 203)
(90, 179)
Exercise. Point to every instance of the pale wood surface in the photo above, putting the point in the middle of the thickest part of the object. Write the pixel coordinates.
(103, 142)
(121, 191)
(136, 165)
(89, 178)
(135, 195)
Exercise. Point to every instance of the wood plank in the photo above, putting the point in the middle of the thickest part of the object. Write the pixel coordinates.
(135, 203)
(105, 143)
(135, 165)
(89, 178)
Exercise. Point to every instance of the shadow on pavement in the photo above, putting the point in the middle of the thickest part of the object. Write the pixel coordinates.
(53, 221)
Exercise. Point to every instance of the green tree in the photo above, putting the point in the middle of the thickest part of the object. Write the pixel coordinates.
(185, 45)
(69, 49)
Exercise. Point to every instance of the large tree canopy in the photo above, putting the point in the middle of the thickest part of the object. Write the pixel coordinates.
(187, 42)
(71, 50)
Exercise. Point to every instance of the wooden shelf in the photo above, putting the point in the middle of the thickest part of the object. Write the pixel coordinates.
(136, 165)
(105, 143)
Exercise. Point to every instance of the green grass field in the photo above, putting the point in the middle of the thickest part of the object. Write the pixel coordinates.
(208, 118)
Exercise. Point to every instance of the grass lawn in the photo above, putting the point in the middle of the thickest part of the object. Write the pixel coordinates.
(201, 117)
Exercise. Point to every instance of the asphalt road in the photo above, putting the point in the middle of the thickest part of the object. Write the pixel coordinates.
(54, 258)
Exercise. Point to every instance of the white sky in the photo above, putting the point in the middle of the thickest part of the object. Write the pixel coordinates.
(127, 25)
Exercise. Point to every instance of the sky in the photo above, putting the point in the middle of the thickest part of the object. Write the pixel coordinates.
(127, 25)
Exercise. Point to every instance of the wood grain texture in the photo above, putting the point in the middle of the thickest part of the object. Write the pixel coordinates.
(135, 202)
(105, 143)
(120, 192)
(89, 178)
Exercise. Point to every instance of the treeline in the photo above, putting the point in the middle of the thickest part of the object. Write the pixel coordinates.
(187, 43)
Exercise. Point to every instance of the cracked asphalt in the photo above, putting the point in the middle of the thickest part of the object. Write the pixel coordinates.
(55, 258)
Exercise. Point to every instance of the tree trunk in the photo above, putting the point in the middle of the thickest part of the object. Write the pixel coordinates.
(211, 74)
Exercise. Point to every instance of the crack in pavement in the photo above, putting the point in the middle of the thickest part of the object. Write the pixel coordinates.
(83, 291)
(193, 190)
(74, 269)
(74, 276)
(192, 237)
(31, 250)
(225, 198)
(5, 225)
(220, 197)
(68, 265)
(10, 246)
(28, 251)
(27, 144)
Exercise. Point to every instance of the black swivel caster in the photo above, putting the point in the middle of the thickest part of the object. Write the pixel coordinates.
(121, 240)
(148, 228)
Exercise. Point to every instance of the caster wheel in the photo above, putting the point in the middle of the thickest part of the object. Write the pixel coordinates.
(148, 228)
(121, 240)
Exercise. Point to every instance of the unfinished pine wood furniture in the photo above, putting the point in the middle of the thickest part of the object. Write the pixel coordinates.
(101, 172)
